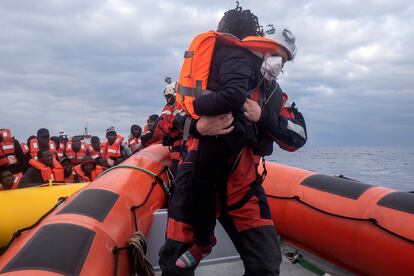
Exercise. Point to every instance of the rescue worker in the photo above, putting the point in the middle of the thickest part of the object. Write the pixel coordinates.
(8, 181)
(88, 171)
(150, 122)
(42, 169)
(166, 131)
(112, 149)
(42, 141)
(67, 170)
(233, 72)
(249, 226)
(11, 153)
(75, 150)
(134, 138)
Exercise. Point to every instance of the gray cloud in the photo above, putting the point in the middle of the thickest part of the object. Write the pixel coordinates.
(67, 63)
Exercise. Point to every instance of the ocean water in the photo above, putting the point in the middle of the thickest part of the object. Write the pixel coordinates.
(383, 166)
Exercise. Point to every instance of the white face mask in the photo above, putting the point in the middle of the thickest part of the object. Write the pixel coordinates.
(271, 67)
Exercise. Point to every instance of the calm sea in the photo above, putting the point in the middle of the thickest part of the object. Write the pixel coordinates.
(384, 166)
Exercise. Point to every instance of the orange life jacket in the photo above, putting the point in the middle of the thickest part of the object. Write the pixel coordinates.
(34, 148)
(25, 148)
(17, 178)
(133, 142)
(195, 70)
(55, 174)
(76, 157)
(61, 151)
(93, 153)
(7, 150)
(81, 174)
(112, 151)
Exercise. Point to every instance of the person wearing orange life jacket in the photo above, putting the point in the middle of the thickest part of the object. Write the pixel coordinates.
(11, 152)
(67, 170)
(42, 169)
(134, 138)
(60, 148)
(42, 141)
(165, 129)
(75, 150)
(25, 148)
(150, 122)
(232, 72)
(8, 181)
(87, 171)
(112, 149)
(94, 150)
(27, 155)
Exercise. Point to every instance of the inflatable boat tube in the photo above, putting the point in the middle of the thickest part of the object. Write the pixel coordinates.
(23, 207)
(84, 235)
(364, 228)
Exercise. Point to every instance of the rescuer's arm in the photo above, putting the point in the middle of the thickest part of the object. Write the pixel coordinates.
(236, 73)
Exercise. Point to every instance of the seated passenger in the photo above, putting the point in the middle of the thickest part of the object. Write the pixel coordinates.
(94, 150)
(42, 170)
(112, 149)
(42, 141)
(134, 138)
(8, 181)
(75, 150)
(87, 171)
(67, 170)
(150, 122)
(11, 152)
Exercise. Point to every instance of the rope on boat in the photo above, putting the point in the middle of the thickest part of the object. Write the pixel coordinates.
(19, 232)
(369, 220)
(139, 264)
(156, 176)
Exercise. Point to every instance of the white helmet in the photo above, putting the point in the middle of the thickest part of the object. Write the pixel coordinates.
(284, 37)
(169, 89)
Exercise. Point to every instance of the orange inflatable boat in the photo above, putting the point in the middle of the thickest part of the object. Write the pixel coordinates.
(364, 228)
(84, 234)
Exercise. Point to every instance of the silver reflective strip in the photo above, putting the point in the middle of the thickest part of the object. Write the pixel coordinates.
(296, 128)
(193, 92)
(166, 112)
(112, 150)
(95, 156)
(52, 146)
(179, 111)
(8, 147)
(35, 145)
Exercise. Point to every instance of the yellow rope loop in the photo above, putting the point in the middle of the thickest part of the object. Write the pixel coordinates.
(139, 262)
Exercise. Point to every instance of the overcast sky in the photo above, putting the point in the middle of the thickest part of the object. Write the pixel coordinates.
(65, 64)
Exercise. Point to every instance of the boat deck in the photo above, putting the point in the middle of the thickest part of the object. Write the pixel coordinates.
(235, 268)
(224, 259)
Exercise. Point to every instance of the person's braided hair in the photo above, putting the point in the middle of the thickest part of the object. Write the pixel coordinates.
(241, 23)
